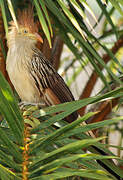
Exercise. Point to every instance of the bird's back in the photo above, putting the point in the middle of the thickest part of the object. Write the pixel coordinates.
(50, 83)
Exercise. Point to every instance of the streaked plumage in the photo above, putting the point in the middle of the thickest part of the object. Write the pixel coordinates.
(32, 75)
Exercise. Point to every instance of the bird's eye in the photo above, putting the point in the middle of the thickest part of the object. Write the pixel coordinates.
(25, 31)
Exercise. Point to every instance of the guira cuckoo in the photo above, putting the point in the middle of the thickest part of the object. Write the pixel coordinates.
(32, 75)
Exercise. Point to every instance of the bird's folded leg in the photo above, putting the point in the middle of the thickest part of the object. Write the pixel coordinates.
(22, 104)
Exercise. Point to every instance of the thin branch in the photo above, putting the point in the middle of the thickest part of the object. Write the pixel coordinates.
(3, 54)
(56, 52)
(104, 109)
(52, 54)
(2, 38)
(94, 76)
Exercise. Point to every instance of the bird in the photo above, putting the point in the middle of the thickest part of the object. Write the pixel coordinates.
(32, 75)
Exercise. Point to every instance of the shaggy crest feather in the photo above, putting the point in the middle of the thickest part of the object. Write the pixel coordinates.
(26, 20)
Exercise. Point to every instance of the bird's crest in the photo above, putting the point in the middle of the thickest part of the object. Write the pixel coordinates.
(25, 19)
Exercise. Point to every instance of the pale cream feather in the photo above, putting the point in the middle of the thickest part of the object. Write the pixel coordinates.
(18, 60)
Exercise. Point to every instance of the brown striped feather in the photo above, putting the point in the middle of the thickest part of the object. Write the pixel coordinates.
(52, 86)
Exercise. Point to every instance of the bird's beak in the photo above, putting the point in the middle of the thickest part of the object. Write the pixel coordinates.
(38, 37)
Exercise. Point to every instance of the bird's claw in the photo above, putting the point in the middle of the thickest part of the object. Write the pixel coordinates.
(22, 104)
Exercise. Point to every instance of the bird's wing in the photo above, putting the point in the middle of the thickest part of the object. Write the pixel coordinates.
(51, 85)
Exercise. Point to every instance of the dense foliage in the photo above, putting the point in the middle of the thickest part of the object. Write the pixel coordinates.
(37, 143)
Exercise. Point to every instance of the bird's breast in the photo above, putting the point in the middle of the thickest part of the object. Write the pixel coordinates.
(22, 80)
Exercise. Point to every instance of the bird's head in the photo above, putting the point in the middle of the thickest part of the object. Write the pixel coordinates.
(27, 29)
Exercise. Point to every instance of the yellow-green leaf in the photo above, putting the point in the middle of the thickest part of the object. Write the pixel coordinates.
(43, 22)
(70, 16)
